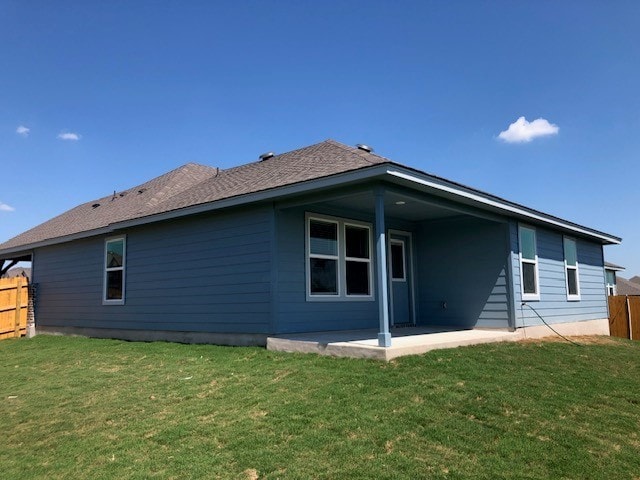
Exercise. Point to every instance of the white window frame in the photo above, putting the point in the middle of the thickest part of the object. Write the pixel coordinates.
(351, 223)
(567, 267)
(529, 296)
(342, 259)
(118, 301)
(611, 287)
(323, 256)
(393, 241)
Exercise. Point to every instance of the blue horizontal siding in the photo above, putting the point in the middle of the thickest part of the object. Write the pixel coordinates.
(207, 273)
(463, 262)
(293, 312)
(554, 306)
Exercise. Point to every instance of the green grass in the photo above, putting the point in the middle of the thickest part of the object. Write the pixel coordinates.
(82, 408)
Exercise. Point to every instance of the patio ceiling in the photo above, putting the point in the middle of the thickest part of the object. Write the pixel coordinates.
(412, 207)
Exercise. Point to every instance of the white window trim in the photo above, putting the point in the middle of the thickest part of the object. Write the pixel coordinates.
(368, 261)
(410, 259)
(404, 261)
(576, 297)
(611, 287)
(121, 301)
(325, 256)
(534, 262)
(341, 259)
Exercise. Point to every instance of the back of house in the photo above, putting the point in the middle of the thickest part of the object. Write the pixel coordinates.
(324, 238)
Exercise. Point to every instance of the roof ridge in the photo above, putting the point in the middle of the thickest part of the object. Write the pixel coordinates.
(139, 186)
(188, 189)
(258, 162)
(175, 170)
(358, 151)
(172, 188)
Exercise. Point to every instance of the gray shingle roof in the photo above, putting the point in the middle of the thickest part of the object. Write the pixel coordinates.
(309, 163)
(194, 184)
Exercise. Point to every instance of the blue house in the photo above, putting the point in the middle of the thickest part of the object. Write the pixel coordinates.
(324, 238)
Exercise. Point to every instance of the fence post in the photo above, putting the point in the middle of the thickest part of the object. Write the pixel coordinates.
(31, 318)
(629, 318)
(18, 306)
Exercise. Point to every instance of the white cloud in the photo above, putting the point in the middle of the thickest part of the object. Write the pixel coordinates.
(69, 136)
(6, 208)
(523, 131)
(22, 130)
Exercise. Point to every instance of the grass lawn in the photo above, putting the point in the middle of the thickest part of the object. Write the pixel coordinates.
(85, 408)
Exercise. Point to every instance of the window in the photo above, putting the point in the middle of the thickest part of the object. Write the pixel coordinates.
(115, 252)
(339, 259)
(571, 268)
(611, 282)
(357, 260)
(323, 257)
(528, 264)
(397, 261)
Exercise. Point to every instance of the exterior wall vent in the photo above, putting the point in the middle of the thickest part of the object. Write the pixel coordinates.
(266, 156)
(364, 147)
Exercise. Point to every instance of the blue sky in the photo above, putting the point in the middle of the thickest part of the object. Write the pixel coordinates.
(101, 96)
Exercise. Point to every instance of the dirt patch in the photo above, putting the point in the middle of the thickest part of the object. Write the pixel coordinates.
(251, 474)
(581, 339)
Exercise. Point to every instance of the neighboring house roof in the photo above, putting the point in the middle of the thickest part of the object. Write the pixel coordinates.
(613, 266)
(18, 272)
(627, 287)
(635, 279)
(193, 188)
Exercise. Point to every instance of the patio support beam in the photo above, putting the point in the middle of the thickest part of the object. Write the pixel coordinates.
(384, 337)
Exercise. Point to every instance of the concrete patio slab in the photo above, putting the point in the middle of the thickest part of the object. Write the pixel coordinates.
(405, 341)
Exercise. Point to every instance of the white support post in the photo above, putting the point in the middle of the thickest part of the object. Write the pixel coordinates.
(384, 337)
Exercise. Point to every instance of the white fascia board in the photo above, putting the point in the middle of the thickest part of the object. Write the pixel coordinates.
(385, 171)
(495, 203)
(379, 171)
(614, 269)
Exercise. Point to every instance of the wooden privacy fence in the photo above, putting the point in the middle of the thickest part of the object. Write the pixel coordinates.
(624, 316)
(14, 303)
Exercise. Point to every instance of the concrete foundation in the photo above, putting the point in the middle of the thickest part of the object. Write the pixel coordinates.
(591, 327)
(357, 344)
(231, 339)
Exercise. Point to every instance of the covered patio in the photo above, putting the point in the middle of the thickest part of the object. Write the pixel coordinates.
(406, 341)
(435, 267)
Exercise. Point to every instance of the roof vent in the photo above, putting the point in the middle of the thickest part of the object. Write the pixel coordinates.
(95, 205)
(142, 190)
(267, 156)
(364, 147)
